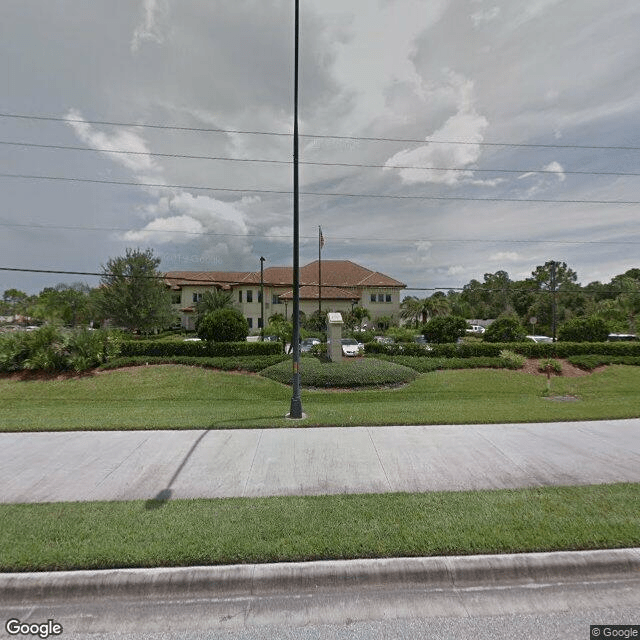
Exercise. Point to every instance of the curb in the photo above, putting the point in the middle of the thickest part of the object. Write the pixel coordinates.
(443, 572)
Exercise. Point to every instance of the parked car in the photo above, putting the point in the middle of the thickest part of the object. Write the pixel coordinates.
(622, 337)
(351, 347)
(192, 340)
(475, 329)
(539, 339)
(420, 339)
(384, 340)
(271, 339)
(308, 343)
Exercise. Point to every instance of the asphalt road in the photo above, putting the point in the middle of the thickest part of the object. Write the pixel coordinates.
(83, 466)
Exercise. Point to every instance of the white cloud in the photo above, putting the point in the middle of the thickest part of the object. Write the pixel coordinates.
(150, 30)
(445, 161)
(135, 150)
(175, 229)
(504, 256)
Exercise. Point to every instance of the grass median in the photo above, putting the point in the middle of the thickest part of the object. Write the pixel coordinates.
(179, 397)
(101, 535)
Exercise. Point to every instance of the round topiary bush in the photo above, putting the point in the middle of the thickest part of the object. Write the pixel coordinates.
(363, 372)
(592, 329)
(223, 325)
(504, 330)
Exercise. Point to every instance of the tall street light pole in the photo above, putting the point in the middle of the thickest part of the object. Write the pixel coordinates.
(296, 402)
(262, 299)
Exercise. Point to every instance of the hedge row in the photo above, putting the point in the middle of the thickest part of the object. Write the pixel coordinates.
(425, 365)
(253, 364)
(201, 349)
(348, 374)
(492, 350)
(590, 362)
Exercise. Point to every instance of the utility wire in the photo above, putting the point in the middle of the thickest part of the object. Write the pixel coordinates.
(204, 282)
(320, 164)
(311, 193)
(311, 135)
(349, 239)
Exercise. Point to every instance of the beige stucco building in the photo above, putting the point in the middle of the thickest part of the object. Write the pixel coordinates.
(344, 285)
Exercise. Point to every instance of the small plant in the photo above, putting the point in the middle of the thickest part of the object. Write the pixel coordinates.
(549, 365)
(511, 359)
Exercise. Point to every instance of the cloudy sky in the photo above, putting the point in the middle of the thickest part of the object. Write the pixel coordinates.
(499, 134)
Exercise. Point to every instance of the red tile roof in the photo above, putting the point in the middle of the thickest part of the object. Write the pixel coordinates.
(335, 273)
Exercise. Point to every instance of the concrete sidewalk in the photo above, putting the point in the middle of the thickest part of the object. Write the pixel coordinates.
(84, 466)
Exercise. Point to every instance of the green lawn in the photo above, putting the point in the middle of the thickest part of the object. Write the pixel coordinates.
(101, 535)
(176, 397)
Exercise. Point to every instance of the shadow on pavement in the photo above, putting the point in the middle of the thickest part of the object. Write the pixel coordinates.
(164, 496)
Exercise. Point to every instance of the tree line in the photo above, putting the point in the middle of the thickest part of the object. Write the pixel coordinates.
(133, 295)
(548, 299)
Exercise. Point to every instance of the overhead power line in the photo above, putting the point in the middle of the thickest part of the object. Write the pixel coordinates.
(334, 237)
(163, 276)
(311, 163)
(312, 193)
(313, 135)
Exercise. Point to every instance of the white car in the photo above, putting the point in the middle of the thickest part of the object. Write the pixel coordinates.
(476, 329)
(351, 347)
(539, 339)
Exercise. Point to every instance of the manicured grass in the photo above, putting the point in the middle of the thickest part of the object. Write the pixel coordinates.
(177, 397)
(104, 535)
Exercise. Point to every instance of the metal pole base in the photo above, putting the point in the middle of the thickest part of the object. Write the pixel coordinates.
(295, 412)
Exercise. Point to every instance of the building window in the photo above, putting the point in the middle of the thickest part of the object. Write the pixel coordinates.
(275, 299)
(250, 322)
(249, 295)
(373, 297)
(388, 297)
(259, 323)
(259, 296)
(197, 297)
(240, 295)
(381, 297)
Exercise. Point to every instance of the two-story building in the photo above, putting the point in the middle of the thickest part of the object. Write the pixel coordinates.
(344, 285)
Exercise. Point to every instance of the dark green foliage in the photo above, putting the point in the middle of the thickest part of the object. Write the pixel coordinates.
(504, 330)
(588, 363)
(549, 365)
(425, 365)
(133, 294)
(224, 363)
(223, 325)
(363, 372)
(54, 349)
(592, 329)
(199, 349)
(443, 329)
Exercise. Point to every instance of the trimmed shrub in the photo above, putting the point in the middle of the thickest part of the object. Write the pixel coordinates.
(363, 372)
(591, 329)
(200, 349)
(240, 363)
(504, 330)
(512, 360)
(588, 363)
(443, 329)
(549, 365)
(426, 365)
(223, 325)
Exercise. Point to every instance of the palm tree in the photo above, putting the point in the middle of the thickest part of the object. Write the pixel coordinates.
(211, 301)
